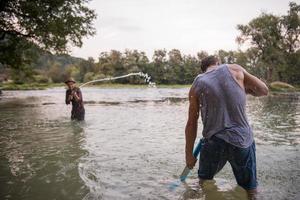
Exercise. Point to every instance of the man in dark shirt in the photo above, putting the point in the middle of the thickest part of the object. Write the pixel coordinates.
(73, 94)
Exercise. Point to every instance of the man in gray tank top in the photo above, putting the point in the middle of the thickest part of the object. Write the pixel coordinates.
(219, 95)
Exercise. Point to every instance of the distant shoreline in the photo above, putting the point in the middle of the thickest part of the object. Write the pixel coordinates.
(44, 86)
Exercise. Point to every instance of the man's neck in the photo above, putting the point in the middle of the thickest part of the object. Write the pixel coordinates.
(212, 67)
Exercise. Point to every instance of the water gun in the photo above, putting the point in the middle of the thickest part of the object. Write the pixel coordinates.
(196, 152)
(186, 170)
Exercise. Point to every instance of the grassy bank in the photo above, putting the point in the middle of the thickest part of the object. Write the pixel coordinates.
(29, 86)
(287, 90)
(110, 85)
(278, 86)
(43, 86)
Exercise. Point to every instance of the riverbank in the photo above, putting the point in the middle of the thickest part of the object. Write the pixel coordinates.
(43, 86)
(29, 86)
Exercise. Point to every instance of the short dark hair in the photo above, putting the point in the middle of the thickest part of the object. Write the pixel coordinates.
(208, 61)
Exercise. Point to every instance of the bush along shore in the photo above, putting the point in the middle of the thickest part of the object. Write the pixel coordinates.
(29, 86)
(43, 86)
(274, 87)
(272, 54)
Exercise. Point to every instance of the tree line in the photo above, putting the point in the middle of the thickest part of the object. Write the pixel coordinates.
(272, 53)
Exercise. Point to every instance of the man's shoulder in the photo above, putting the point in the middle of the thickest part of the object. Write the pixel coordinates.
(237, 71)
(235, 67)
(198, 78)
(198, 83)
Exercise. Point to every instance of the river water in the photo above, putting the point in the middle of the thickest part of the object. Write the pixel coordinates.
(131, 146)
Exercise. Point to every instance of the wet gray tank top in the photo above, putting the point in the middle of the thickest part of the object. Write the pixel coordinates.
(223, 107)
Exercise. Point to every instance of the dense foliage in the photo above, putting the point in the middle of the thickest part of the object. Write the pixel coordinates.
(272, 53)
(274, 41)
(27, 26)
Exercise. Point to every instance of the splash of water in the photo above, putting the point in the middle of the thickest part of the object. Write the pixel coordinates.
(141, 74)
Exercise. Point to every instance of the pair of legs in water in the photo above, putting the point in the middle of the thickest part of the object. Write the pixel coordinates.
(214, 155)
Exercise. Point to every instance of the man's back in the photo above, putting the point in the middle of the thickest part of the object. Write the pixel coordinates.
(222, 105)
(220, 95)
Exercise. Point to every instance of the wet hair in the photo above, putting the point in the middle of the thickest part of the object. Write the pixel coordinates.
(208, 61)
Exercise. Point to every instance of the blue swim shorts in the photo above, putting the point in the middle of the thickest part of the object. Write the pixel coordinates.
(216, 152)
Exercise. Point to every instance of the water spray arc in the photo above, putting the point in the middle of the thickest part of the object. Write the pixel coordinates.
(141, 74)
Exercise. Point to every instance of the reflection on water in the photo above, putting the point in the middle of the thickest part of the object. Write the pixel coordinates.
(276, 119)
(131, 146)
(39, 156)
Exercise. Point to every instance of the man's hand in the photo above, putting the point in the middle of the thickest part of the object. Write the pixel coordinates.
(70, 97)
(190, 160)
(75, 95)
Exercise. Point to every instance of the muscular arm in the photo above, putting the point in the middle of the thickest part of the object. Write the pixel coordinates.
(191, 128)
(254, 85)
(250, 83)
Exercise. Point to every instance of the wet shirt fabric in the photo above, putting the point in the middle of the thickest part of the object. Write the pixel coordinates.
(78, 111)
(223, 107)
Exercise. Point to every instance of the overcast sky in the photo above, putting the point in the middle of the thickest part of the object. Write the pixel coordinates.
(188, 25)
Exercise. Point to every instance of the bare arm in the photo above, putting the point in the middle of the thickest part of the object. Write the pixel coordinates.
(68, 97)
(191, 128)
(77, 95)
(247, 81)
(254, 85)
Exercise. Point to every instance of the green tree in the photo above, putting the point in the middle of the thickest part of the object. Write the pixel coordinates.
(112, 64)
(275, 40)
(39, 24)
(158, 66)
(72, 71)
(264, 34)
(174, 70)
(86, 66)
(201, 55)
(135, 61)
(192, 68)
(104, 64)
(291, 44)
(226, 56)
(55, 73)
(290, 26)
